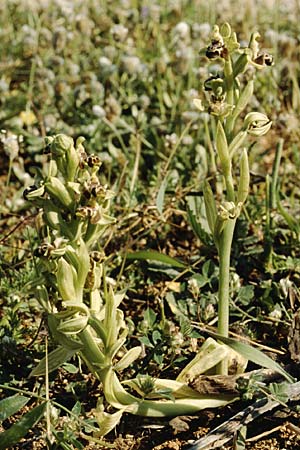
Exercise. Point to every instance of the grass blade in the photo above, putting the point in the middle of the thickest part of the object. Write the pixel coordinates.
(156, 256)
(161, 195)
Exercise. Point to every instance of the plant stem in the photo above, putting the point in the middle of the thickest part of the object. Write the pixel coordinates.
(223, 293)
(228, 73)
(136, 163)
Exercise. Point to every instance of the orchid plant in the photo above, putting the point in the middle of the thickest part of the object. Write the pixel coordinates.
(226, 100)
(82, 309)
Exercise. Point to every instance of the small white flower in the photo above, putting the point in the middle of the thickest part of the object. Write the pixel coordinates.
(104, 62)
(119, 32)
(182, 30)
(11, 146)
(276, 313)
(98, 111)
(131, 64)
(171, 140)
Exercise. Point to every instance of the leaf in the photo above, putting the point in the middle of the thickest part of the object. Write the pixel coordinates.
(280, 391)
(173, 305)
(245, 294)
(146, 341)
(156, 337)
(208, 356)
(149, 317)
(107, 422)
(222, 148)
(253, 354)
(70, 368)
(10, 405)
(55, 359)
(77, 408)
(161, 195)
(19, 429)
(156, 256)
(128, 358)
(197, 219)
(243, 99)
(166, 393)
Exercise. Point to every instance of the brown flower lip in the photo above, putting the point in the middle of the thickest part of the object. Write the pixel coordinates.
(215, 49)
(264, 59)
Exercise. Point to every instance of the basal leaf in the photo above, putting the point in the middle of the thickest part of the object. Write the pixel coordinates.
(10, 405)
(254, 355)
(19, 429)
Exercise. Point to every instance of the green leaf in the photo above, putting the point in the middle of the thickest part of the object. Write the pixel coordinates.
(149, 317)
(166, 394)
(10, 405)
(246, 294)
(156, 337)
(55, 359)
(197, 219)
(253, 354)
(280, 391)
(128, 358)
(146, 341)
(173, 305)
(77, 408)
(70, 368)
(156, 256)
(19, 429)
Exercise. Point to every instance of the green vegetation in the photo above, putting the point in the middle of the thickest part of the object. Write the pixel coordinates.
(149, 210)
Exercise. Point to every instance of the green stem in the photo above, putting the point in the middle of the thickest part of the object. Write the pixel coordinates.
(229, 186)
(213, 165)
(223, 293)
(229, 79)
(275, 174)
(136, 163)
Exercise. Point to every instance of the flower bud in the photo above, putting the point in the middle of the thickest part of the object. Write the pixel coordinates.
(33, 192)
(52, 168)
(52, 219)
(243, 187)
(73, 326)
(257, 124)
(72, 163)
(66, 276)
(60, 144)
(58, 191)
(222, 148)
